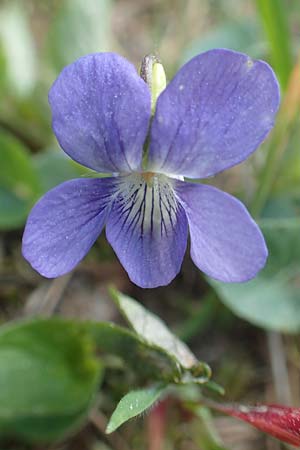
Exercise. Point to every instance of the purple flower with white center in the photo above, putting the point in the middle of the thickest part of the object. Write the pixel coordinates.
(215, 112)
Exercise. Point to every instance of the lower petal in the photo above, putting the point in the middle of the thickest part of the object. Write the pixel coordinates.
(147, 229)
(226, 243)
(65, 223)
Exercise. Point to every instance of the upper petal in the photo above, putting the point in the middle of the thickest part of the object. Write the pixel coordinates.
(215, 112)
(65, 223)
(226, 243)
(101, 110)
(147, 228)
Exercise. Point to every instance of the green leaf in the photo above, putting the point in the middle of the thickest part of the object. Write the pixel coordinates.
(80, 27)
(49, 373)
(271, 300)
(133, 404)
(13, 210)
(55, 167)
(239, 36)
(19, 182)
(55, 360)
(148, 361)
(281, 207)
(48, 378)
(154, 331)
(274, 20)
(18, 48)
(17, 172)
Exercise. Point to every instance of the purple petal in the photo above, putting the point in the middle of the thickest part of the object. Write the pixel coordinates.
(147, 229)
(65, 223)
(215, 112)
(101, 110)
(226, 243)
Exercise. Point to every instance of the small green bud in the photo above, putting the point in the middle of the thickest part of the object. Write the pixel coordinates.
(153, 73)
(159, 83)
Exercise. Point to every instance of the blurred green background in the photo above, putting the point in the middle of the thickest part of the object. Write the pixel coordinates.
(248, 333)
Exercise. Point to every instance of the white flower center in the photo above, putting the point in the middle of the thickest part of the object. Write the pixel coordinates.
(147, 200)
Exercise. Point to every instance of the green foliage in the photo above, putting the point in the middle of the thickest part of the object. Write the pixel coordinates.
(153, 330)
(271, 300)
(13, 210)
(147, 361)
(19, 182)
(55, 167)
(239, 36)
(48, 378)
(133, 404)
(50, 372)
(80, 27)
(18, 49)
(17, 171)
(274, 20)
(24, 178)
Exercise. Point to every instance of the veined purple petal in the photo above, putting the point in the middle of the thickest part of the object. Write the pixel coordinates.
(226, 243)
(101, 110)
(147, 229)
(65, 223)
(215, 112)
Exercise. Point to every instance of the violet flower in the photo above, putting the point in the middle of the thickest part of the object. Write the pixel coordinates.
(215, 112)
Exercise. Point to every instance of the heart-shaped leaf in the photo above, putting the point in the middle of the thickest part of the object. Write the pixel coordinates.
(48, 378)
(271, 300)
